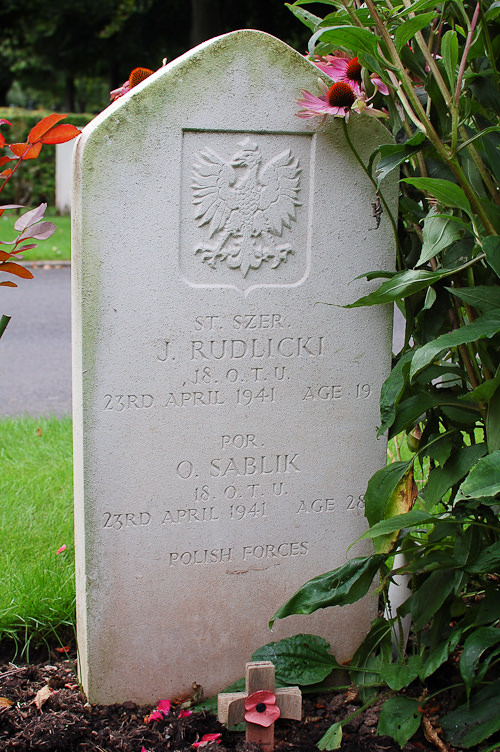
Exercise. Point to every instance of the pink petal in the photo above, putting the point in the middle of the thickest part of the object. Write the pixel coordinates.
(164, 706)
(262, 695)
(185, 713)
(207, 739)
(156, 715)
(333, 66)
(63, 547)
(267, 718)
(383, 89)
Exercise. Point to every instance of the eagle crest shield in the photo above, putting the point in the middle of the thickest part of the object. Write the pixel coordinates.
(244, 205)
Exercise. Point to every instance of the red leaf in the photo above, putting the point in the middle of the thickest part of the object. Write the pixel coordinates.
(3, 121)
(6, 173)
(4, 160)
(8, 284)
(60, 134)
(26, 151)
(16, 269)
(4, 256)
(41, 128)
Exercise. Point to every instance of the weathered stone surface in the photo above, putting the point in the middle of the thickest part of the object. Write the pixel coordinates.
(225, 411)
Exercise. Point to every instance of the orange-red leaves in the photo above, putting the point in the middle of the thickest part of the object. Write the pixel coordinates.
(4, 160)
(41, 128)
(59, 134)
(26, 151)
(8, 284)
(17, 269)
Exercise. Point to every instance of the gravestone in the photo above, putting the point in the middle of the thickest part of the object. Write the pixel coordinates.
(64, 157)
(225, 404)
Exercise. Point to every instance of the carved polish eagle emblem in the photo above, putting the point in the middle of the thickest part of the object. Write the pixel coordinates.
(245, 206)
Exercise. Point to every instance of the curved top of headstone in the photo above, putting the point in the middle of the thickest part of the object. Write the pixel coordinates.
(222, 84)
(202, 76)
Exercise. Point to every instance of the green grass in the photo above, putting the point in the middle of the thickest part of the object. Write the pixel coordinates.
(36, 519)
(56, 248)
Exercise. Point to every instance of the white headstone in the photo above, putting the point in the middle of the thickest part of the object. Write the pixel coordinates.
(225, 414)
(64, 157)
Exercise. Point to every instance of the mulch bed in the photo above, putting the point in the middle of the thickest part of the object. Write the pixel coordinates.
(42, 709)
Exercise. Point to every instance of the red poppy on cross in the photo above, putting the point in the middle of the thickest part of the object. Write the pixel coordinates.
(260, 705)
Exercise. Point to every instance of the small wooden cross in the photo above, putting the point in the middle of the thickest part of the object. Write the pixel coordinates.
(259, 679)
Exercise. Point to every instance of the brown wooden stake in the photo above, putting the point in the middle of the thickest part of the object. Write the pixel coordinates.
(259, 675)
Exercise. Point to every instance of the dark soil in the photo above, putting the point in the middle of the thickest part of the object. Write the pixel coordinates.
(66, 722)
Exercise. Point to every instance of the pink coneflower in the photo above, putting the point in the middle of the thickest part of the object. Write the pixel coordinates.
(349, 70)
(338, 100)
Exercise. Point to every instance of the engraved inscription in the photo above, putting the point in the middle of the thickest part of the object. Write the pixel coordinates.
(245, 206)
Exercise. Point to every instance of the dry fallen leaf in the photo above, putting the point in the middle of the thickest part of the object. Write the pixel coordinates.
(432, 735)
(39, 431)
(5, 702)
(42, 696)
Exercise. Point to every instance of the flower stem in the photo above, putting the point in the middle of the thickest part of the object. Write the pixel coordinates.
(378, 191)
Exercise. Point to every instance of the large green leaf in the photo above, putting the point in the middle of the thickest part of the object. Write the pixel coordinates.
(412, 409)
(441, 479)
(399, 719)
(348, 38)
(381, 487)
(487, 562)
(408, 29)
(493, 422)
(483, 480)
(446, 192)
(482, 297)
(392, 155)
(491, 247)
(399, 503)
(449, 51)
(474, 647)
(473, 722)
(399, 675)
(438, 233)
(392, 390)
(400, 286)
(414, 518)
(332, 739)
(302, 659)
(486, 325)
(307, 18)
(429, 597)
(485, 391)
(440, 653)
(347, 584)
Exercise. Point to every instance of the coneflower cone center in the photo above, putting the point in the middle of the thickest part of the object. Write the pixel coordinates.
(138, 75)
(353, 70)
(341, 95)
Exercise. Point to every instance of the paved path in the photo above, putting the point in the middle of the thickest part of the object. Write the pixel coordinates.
(35, 351)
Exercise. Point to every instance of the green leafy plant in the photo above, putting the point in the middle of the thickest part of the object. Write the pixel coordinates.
(438, 64)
